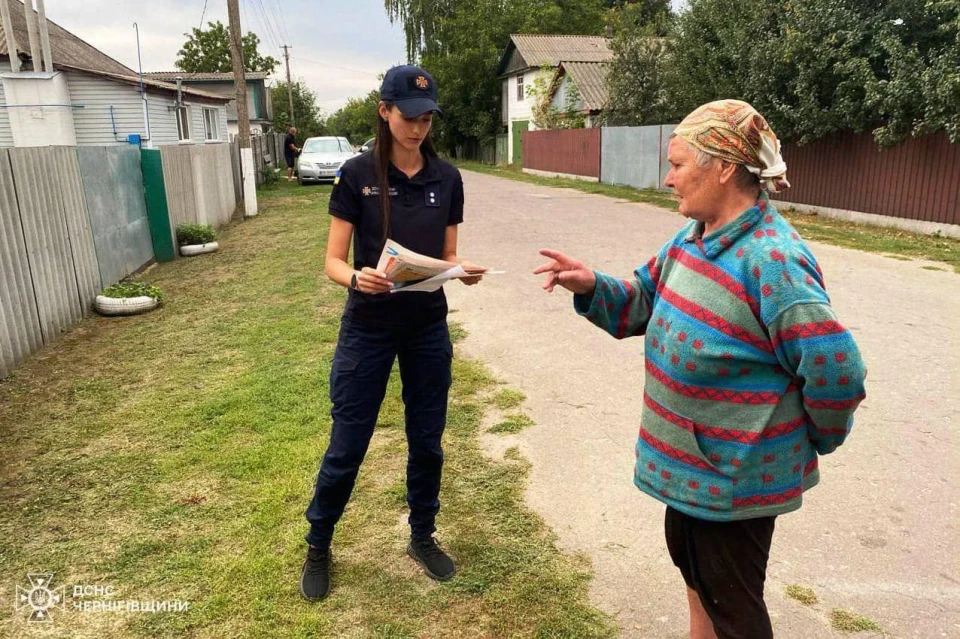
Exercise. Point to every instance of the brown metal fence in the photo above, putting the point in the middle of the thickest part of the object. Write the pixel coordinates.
(573, 151)
(917, 180)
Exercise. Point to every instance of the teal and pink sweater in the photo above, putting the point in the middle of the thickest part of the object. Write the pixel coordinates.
(749, 375)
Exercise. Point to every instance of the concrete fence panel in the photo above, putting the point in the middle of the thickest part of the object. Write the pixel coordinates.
(19, 318)
(178, 183)
(199, 181)
(113, 189)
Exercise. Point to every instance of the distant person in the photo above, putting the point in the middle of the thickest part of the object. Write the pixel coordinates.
(290, 151)
(404, 192)
(749, 375)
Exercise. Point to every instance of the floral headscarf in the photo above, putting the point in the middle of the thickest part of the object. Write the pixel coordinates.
(735, 132)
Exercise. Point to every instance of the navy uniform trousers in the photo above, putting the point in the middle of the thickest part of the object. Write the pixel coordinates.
(358, 382)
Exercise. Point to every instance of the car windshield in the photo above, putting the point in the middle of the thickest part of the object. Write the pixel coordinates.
(321, 146)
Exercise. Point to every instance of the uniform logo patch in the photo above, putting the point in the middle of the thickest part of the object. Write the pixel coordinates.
(422, 82)
(367, 190)
(336, 179)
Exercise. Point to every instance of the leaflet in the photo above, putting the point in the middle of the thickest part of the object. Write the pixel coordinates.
(414, 272)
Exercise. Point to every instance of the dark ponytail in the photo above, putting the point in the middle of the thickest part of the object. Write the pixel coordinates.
(382, 149)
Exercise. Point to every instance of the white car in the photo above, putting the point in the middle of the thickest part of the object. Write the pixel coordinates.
(321, 158)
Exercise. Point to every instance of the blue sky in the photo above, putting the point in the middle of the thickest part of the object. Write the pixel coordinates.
(338, 47)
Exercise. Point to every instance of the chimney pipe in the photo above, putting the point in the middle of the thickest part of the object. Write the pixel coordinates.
(31, 19)
(607, 30)
(45, 38)
(10, 37)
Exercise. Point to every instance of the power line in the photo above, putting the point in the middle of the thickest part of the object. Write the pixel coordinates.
(335, 66)
(268, 36)
(203, 13)
(281, 21)
(270, 25)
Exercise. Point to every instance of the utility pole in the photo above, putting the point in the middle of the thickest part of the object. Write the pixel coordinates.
(286, 55)
(243, 118)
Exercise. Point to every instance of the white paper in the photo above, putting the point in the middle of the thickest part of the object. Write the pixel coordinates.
(431, 284)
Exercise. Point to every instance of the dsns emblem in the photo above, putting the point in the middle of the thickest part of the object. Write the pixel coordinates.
(422, 82)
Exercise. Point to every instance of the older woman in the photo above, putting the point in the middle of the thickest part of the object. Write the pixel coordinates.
(749, 375)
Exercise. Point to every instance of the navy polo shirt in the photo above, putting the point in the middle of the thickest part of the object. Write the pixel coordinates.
(421, 209)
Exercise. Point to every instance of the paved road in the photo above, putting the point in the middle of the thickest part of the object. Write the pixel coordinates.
(878, 536)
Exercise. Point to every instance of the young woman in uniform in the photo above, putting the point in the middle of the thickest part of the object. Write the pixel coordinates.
(403, 191)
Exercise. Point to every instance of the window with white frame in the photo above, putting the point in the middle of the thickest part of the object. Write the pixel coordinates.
(211, 124)
(183, 123)
(520, 88)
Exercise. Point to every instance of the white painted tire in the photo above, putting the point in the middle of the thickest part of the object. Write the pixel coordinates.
(124, 305)
(188, 250)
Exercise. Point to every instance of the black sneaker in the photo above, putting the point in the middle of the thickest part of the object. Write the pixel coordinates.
(315, 578)
(435, 563)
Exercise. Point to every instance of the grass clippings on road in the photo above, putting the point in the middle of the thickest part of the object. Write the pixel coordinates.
(891, 242)
(171, 455)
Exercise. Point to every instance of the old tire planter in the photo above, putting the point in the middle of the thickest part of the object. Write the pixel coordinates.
(189, 250)
(112, 306)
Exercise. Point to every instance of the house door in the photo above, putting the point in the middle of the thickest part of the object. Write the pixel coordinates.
(519, 127)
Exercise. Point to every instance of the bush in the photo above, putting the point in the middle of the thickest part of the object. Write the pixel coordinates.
(269, 175)
(133, 288)
(194, 234)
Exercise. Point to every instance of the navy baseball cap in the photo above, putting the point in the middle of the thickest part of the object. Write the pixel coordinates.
(412, 89)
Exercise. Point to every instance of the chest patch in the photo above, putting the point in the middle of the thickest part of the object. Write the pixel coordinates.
(372, 191)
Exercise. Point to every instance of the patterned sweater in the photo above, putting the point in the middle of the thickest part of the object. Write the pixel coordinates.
(749, 375)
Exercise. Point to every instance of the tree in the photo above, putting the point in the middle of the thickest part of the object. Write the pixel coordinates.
(545, 114)
(460, 42)
(309, 117)
(357, 120)
(637, 95)
(821, 66)
(209, 51)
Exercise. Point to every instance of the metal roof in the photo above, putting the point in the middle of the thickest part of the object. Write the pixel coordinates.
(150, 83)
(591, 81)
(64, 46)
(70, 52)
(203, 77)
(550, 50)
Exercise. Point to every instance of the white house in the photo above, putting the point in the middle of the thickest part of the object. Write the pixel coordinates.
(590, 80)
(528, 57)
(88, 98)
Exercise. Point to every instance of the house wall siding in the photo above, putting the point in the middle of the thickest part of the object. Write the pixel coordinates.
(163, 121)
(96, 96)
(6, 133)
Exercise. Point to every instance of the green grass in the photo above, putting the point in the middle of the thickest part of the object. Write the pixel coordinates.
(888, 241)
(876, 239)
(171, 455)
(512, 423)
(507, 398)
(847, 621)
(803, 594)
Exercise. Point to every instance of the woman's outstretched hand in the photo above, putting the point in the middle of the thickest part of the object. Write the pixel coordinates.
(569, 273)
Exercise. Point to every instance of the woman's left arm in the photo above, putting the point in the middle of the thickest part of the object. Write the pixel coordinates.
(450, 254)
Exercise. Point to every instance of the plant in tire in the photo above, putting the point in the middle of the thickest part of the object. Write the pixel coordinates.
(193, 234)
(133, 289)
